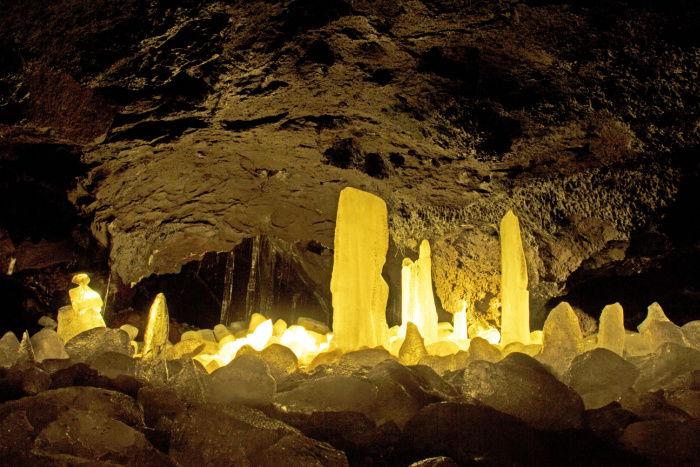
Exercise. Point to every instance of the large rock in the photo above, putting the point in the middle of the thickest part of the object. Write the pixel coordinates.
(522, 387)
(47, 406)
(238, 435)
(469, 433)
(94, 341)
(93, 436)
(665, 442)
(329, 393)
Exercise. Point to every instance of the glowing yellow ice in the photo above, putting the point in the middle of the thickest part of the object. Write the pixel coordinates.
(459, 321)
(417, 300)
(611, 332)
(515, 308)
(358, 289)
(85, 311)
(155, 337)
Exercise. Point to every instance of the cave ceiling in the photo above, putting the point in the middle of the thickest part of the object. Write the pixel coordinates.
(188, 126)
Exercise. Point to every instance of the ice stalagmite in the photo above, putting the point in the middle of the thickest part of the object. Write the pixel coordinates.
(562, 338)
(611, 333)
(85, 311)
(155, 337)
(358, 289)
(515, 308)
(460, 323)
(417, 300)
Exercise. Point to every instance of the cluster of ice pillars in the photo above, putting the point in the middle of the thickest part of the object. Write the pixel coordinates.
(359, 308)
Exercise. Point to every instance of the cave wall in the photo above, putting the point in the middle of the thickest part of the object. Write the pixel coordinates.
(200, 124)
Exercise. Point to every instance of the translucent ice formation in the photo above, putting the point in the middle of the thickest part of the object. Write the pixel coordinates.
(417, 301)
(611, 331)
(48, 345)
(155, 337)
(562, 338)
(515, 308)
(657, 329)
(85, 311)
(358, 289)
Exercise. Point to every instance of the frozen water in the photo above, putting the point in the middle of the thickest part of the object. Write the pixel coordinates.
(48, 345)
(443, 348)
(72, 322)
(25, 352)
(417, 300)
(245, 380)
(562, 339)
(206, 335)
(413, 348)
(611, 332)
(659, 370)
(155, 337)
(600, 377)
(515, 314)
(635, 345)
(221, 331)
(279, 327)
(691, 331)
(657, 329)
(481, 349)
(132, 331)
(311, 324)
(9, 345)
(654, 313)
(48, 322)
(359, 293)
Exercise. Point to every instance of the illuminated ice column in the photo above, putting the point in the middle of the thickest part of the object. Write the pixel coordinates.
(418, 302)
(155, 337)
(85, 311)
(611, 330)
(358, 289)
(515, 309)
(459, 322)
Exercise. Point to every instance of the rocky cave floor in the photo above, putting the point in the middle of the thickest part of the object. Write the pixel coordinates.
(99, 406)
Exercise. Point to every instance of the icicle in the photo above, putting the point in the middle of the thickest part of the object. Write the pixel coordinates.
(250, 298)
(225, 316)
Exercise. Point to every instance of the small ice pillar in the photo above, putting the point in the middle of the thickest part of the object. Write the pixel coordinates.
(155, 337)
(459, 320)
(85, 311)
(417, 300)
(611, 332)
(515, 307)
(359, 292)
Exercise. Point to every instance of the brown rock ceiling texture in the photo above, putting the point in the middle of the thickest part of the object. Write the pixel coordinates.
(204, 123)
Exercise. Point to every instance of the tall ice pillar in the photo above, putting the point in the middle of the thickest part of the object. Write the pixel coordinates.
(359, 292)
(417, 300)
(515, 308)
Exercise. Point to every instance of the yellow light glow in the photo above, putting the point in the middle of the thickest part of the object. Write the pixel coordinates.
(515, 308)
(85, 311)
(359, 292)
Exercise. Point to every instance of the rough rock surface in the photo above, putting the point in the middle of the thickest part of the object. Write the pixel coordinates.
(237, 435)
(194, 125)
